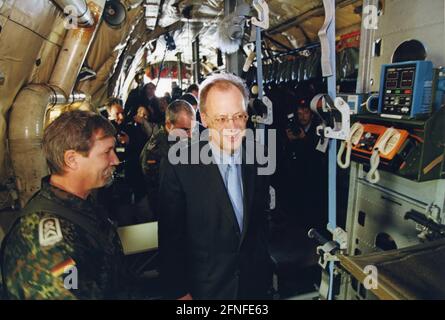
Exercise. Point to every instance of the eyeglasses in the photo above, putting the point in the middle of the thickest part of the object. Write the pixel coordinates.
(239, 119)
(188, 130)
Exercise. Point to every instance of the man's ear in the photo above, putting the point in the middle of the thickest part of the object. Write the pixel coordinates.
(70, 158)
(168, 125)
(204, 120)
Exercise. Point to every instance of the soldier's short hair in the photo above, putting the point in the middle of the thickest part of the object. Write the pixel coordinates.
(176, 107)
(72, 130)
(222, 81)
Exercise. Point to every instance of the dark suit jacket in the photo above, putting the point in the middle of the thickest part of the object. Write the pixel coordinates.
(202, 251)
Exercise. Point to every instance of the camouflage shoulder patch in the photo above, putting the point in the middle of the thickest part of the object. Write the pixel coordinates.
(50, 232)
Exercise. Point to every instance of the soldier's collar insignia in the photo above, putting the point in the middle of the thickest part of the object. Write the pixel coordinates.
(50, 232)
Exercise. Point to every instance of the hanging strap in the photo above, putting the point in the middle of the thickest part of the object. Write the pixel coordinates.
(326, 47)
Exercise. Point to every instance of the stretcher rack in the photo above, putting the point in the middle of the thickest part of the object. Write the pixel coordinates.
(410, 273)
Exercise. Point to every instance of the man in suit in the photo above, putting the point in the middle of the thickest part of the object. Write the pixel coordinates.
(180, 119)
(212, 223)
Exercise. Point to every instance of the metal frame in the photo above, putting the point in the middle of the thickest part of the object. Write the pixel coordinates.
(380, 208)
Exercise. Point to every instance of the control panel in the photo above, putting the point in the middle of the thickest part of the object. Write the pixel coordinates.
(406, 90)
(366, 137)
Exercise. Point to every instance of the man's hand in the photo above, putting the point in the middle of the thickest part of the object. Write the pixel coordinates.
(292, 137)
(302, 134)
(188, 296)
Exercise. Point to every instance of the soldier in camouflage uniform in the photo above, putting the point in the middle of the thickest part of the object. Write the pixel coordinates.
(62, 246)
(179, 122)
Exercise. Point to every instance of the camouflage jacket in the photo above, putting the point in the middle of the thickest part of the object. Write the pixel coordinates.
(49, 257)
(154, 150)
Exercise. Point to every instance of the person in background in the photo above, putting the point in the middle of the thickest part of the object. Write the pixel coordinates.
(193, 101)
(167, 96)
(307, 170)
(116, 116)
(140, 130)
(163, 104)
(146, 97)
(180, 119)
(194, 90)
(176, 91)
(141, 121)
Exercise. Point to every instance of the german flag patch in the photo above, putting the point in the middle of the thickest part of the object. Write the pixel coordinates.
(59, 269)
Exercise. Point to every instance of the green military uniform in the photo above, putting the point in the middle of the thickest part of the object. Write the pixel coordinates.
(50, 257)
(154, 150)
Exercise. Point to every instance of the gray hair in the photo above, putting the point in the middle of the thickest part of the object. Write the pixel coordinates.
(175, 108)
(223, 81)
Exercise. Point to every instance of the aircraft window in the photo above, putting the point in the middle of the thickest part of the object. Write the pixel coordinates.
(385, 242)
(361, 218)
(409, 51)
(377, 48)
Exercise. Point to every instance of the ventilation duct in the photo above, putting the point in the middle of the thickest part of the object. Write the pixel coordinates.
(74, 50)
(77, 9)
(33, 105)
(29, 115)
(114, 13)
